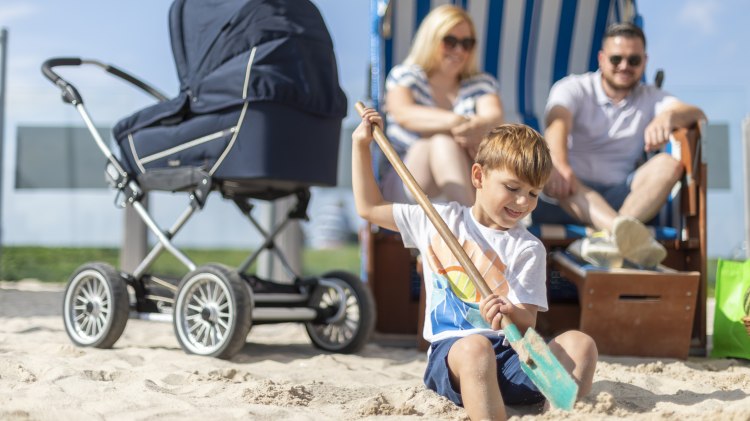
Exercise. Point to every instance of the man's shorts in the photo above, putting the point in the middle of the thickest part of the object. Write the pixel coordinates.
(515, 386)
(549, 212)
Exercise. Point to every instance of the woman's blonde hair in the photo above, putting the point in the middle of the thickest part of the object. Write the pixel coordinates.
(518, 149)
(425, 50)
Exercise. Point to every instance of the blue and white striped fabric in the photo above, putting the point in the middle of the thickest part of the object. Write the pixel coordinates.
(414, 78)
(527, 45)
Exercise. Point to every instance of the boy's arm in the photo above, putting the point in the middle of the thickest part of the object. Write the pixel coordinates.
(494, 307)
(367, 197)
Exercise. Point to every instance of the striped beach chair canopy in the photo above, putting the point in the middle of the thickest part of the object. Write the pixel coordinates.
(526, 44)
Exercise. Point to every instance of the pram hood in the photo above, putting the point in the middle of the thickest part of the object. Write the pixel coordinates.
(212, 40)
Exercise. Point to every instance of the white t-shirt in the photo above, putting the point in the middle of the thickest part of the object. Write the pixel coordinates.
(606, 141)
(513, 259)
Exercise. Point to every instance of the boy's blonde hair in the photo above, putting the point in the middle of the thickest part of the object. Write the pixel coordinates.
(519, 149)
(425, 50)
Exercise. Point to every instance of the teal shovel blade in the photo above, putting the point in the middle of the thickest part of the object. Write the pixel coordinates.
(543, 368)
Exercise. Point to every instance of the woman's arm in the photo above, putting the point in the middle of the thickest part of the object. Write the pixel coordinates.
(426, 120)
(489, 114)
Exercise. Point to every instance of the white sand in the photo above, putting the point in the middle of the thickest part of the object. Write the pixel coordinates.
(279, 375)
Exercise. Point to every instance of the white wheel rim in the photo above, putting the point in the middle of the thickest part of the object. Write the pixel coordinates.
(88, 307)
(338, 333)
(205, 314)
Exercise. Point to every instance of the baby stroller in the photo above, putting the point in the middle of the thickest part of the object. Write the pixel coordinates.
(258, 117)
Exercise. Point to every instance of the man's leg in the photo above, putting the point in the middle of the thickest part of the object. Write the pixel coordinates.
(649, 190)
(652, 183)
(589, 207)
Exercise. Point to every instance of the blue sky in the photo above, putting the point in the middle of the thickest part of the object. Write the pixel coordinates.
(701, 45)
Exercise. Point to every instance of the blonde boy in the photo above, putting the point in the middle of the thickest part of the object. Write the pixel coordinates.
(468, 361)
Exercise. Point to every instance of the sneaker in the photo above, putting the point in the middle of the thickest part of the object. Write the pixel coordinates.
(635, 242)
(597, 250)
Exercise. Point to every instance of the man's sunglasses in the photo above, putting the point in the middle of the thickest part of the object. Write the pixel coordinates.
(633, 61)
(466, 43)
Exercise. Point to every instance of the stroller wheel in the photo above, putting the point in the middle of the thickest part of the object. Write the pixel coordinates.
(95, 307)
(347, 311)
(212, 312)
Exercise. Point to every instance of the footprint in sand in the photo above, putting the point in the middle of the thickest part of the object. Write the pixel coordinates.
(269, 393)
(15, 371)
(100, 375)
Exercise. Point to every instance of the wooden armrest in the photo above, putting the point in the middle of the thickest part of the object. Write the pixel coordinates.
(689, 140)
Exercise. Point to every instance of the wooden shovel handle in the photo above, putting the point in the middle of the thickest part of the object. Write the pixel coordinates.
(432, 214)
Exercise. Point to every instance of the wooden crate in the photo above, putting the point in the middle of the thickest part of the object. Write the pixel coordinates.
(634, 312)
(391, 274)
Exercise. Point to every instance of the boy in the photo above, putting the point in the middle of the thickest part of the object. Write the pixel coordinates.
(468, 361)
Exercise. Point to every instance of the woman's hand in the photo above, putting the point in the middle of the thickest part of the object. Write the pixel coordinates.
(469, 133)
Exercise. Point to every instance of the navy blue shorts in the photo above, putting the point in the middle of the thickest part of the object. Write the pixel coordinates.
(515, 386)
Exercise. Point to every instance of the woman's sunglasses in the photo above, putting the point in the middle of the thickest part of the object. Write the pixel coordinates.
(633, 61)
(466, 43)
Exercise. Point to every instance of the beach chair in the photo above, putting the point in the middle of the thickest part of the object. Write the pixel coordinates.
(528, 45)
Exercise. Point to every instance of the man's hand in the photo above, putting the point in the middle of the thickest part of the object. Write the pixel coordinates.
(562, 183)
(658, 131)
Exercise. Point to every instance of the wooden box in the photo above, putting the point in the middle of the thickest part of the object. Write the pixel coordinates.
(391, 273)
(634, 312)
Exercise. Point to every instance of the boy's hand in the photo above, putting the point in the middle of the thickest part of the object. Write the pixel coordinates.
(493, 307)
(363, 133)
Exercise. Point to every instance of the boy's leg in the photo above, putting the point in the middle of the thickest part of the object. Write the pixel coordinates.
(577, 352)
(473, 371)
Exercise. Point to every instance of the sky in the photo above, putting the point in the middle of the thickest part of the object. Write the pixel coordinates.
(700, 44)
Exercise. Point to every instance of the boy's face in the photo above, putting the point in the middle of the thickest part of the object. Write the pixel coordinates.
(502, 199)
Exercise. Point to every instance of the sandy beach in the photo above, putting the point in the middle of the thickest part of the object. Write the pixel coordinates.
(279, 375)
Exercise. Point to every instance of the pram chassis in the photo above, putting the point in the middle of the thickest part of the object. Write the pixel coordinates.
(213, 306)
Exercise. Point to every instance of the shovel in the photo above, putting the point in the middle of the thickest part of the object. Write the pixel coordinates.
(536, 359)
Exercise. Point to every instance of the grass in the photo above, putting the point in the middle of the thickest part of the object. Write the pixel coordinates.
(56, 264)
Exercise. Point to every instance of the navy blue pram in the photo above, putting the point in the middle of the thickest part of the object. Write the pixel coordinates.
(258, 116)
(259, 98)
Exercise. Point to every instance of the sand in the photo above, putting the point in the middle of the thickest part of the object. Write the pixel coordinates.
(279, 375)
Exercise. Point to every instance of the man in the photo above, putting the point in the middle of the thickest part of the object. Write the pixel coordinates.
(598, 126)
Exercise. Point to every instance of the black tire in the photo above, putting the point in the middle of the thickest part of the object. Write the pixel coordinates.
(348, 322)
(95, 306)
(213, 312)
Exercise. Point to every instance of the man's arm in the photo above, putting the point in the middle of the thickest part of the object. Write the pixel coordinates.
(558, 123)
(674, 116)
(367, 196)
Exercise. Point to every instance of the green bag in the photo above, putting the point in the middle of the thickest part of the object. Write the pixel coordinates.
(731, 338)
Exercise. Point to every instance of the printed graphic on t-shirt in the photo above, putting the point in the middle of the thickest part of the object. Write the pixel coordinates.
(455, 300)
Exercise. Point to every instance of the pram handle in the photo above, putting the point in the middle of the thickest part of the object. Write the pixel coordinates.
(70, 93)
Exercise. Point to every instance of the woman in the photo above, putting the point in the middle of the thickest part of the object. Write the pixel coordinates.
(438, 106)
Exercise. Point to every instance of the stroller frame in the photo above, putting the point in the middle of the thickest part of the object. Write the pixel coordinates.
(213, 307)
